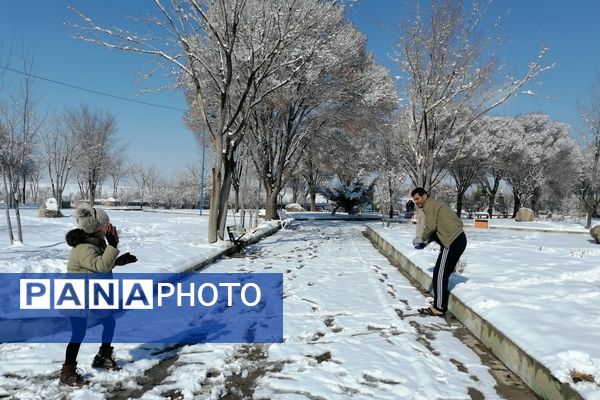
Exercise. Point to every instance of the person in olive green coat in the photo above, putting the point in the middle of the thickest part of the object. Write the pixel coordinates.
(91, 254)
(444, 227)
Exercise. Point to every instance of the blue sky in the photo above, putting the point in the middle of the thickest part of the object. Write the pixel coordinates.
(155, 135)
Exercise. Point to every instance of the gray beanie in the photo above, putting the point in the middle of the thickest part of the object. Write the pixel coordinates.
(90, 219)
(101, 216)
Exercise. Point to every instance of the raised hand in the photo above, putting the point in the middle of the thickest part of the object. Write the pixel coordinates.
(126, 258)
(112, 237)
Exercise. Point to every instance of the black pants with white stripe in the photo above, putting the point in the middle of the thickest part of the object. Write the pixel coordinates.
(444, 267)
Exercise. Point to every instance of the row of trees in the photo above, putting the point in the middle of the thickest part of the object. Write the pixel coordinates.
(78, 144)
(266, 79)
(286, 95)
(281, 85)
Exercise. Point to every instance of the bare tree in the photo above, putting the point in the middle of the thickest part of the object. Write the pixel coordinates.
(94, 134)
(451, 79)
(34, 181)
(241, 165)
(545, 145)
(223, 51)
(298, 186)
(59, 146)
(591, 135)
(391, 174)
(118, 169)
(501, 136)
(146, 179)
(19, 126)
(471, 154)
(189, 184)
(314, 171)
(5, 150)
(341, 87)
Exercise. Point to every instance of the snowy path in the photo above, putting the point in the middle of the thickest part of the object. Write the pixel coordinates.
(350, 331)
(349, 327)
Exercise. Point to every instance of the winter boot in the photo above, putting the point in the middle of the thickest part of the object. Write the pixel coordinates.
(71, 376)
(104, 359)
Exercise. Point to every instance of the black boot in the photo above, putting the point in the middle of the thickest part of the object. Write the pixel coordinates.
(104, 359)
(70, 376)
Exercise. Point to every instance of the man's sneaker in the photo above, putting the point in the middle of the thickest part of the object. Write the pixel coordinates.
(71, 376)
(104, 360)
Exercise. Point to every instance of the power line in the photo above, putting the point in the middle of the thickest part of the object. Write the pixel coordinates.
(90, 90)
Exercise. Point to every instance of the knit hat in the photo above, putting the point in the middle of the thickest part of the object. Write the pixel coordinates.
(101, 216)
(90, 219)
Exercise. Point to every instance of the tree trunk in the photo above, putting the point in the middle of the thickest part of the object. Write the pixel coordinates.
(517, 203)
(92, 194)
(391, 191)
(592, 206)
(214, 201)
(23, 197)
(82, 190)
(229, 170)
(18, 218)
(243, 191)
(535, 200)
(35, 188)
(313, 200)
(459, 201)
(236, 189)
(271, 206)
(11, 237)
(492, 201)
(59, 198)
(590, 213)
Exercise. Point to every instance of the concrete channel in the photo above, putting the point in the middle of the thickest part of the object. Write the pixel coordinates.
(534, 374)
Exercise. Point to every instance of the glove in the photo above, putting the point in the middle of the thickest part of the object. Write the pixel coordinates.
(126, 258)
(419, 244)
(111, 235)
(112, 240)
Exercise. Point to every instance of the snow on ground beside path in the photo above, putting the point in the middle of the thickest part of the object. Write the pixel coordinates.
(342, 330)
(574, 224)
(541, 289)
(162, 241)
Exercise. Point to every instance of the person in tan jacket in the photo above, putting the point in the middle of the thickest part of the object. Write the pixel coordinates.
(91, 254)
(444, 227)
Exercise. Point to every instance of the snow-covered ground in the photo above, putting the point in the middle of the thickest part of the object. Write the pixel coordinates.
(541, 289)
(162, 241)
(571, 224)
(350, 330)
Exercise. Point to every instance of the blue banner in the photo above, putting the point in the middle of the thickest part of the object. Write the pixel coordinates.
(147, 308)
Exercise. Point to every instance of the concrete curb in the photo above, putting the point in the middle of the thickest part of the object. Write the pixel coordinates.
(357, 218)
(532, 372)
(255, 238)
